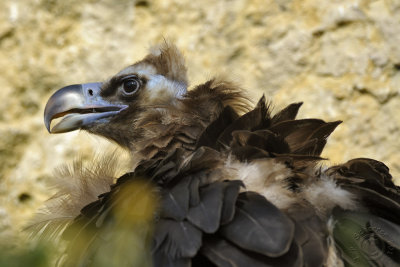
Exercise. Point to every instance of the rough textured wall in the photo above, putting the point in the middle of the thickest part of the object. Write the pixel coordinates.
(342, 58)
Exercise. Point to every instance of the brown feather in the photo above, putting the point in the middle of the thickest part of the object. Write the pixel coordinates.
(168, 61)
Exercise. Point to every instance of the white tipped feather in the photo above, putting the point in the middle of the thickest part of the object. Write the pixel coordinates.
(267, 177)
(78, 185)
(324, 195)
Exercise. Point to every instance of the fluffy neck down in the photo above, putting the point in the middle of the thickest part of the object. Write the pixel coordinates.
(178, 125)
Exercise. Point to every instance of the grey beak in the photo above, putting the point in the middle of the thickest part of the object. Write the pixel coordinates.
(79, 105)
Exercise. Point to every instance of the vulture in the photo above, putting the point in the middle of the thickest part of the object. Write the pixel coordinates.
(212, 180)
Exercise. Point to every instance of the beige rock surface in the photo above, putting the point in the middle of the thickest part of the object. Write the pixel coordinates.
(342, 58)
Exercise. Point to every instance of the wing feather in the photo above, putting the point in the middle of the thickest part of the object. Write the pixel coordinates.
(259, 226)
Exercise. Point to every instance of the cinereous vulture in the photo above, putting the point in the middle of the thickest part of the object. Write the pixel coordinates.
(214, 180)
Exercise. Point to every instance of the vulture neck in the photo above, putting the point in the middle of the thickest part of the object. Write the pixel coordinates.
(171, 131)
(165, 128)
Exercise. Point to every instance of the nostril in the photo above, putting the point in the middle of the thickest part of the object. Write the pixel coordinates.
(90, 92)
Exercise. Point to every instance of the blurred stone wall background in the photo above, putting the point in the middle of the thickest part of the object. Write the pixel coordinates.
(342, 58)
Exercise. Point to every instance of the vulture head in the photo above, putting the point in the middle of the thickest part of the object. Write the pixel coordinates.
(114, 108)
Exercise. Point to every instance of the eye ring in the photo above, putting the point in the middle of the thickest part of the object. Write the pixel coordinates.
(130, 86)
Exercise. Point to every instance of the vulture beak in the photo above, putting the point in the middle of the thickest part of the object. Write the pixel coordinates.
(79, 105)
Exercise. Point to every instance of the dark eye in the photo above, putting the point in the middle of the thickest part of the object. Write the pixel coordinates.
(130, 86)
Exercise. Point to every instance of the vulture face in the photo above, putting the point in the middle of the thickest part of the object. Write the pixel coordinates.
(112, 107)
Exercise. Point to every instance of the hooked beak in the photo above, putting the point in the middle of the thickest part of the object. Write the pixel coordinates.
(79, 105)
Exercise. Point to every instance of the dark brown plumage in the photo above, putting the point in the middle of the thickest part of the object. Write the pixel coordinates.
(213, 181)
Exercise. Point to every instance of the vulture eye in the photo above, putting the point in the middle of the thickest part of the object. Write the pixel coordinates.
(130, 86)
